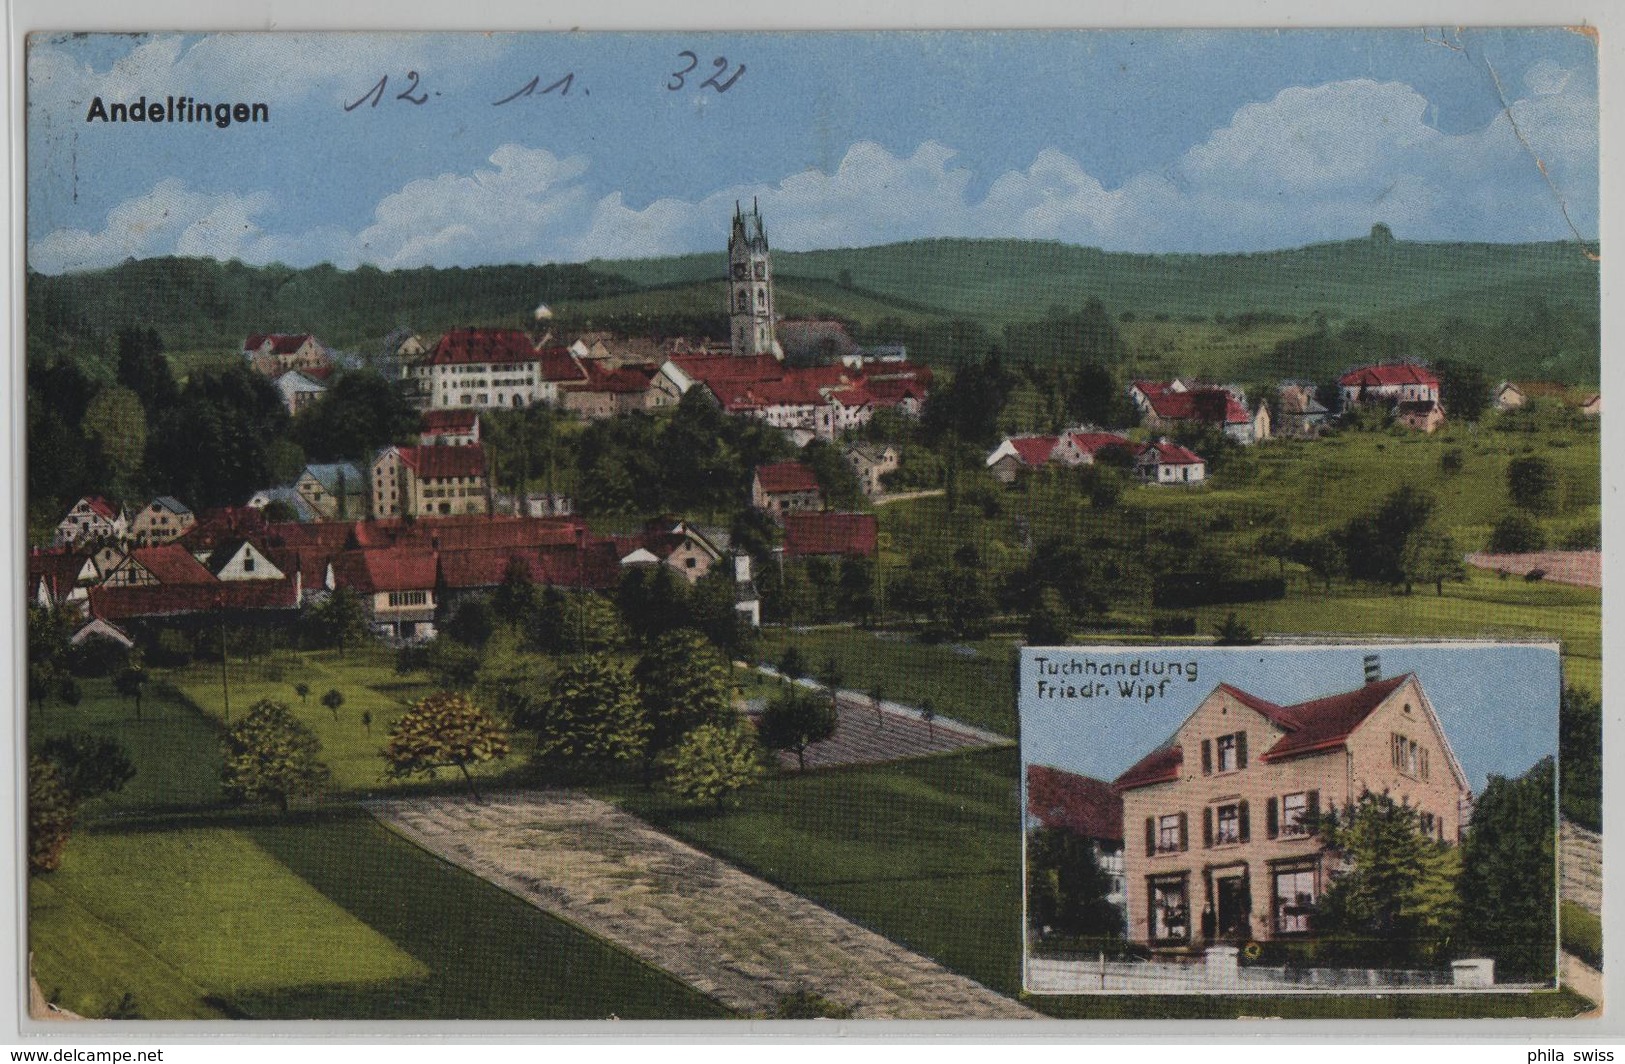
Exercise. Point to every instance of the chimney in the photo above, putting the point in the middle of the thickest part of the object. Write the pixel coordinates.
(1373, 668)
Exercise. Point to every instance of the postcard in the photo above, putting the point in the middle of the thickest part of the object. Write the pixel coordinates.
(957, 526)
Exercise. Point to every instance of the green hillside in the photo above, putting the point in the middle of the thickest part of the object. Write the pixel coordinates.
(1518, 310)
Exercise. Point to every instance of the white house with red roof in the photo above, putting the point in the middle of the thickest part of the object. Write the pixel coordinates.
(397, 584)
(90, 519)
(1165, 462)
(1165, 406)
(425, 481)
(477, 368)
(1222, 821)
(1388, 383)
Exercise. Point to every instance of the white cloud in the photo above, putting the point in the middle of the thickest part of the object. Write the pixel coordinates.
(1313, 163)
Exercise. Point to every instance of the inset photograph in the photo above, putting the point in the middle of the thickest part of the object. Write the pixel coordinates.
(1299, 819)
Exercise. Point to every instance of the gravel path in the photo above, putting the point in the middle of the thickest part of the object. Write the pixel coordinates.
(726, 933)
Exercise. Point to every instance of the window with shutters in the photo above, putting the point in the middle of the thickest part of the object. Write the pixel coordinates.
(1299, 815)
(1227, 753)
(1169, 836)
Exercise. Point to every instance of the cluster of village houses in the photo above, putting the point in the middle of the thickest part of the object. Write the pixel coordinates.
(1407, 391)
(1214, 836)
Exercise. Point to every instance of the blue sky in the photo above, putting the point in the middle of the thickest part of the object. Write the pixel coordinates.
(1128, 140)
(1497, 703)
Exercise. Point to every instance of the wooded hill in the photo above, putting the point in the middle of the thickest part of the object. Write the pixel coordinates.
(1519, 310)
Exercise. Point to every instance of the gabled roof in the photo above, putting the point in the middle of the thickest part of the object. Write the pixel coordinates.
(1028, 450)
(626, 380)
(782, 477)
(1161, 765)
(1080, 804)
(1388, 375)
(497, 346)
(225, 552)
(434, 463)
(1321, 723)
(294, 382)
(1199, 404)
(386, 569)
(116, 603)
(1092, 443)
(1165, 452)
(227, 522)
(98, 506)
(328, 474)
(172, 564)
(172, 504)
(815, 533)
(558, 365)
(452, 422)
(281, 343)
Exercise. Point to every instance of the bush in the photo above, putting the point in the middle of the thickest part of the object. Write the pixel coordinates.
(1585, 537)
(1184, 590)
(1582, 933)
(98, 656)
(1517, 533)
(807, 1005)
(172, 649)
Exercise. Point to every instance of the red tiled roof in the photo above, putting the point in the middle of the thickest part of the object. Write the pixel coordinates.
(889, 391)
(317, 373)
(1034, 450)
(215, 527)
(495, 346)
(623, 381)
(100, 506)
(1079, 804)
(1171, 453)
(1323, 723)
(385, 569)
(782, 477)
(172, 564)
(434, 463)
(322, 535)
(116, 603)
(1196, 405)
(436, 422)
(1094, 442)
(1159, 766)
(812, 533)
(558, 365)
(1388, 374)
(596, 568)
(309, 562)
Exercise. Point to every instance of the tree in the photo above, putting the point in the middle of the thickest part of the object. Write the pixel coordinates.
(713, 761)
(116, 425)
(340, 620)
(1050, 622)
(794, 721)
(1533, 483)
(1067, 889)
(366, 720)
(360, 412)
(51, 813)
(515, 599)
(1463, 391)
(1234, 632)
(1432, 557)
(592, 714)
(472, 622)
(1374, 544)
(444, 730)
(302, 689)
(1394, 904)
(143, 369)
(684, 682)
(1510, 859)
(333, 700)
(89, 766)
(1516, 533)
(270, 756)
(791, 664)
(1579, 740)
(129, 684)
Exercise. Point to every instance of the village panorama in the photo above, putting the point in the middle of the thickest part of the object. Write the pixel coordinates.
(642, 644)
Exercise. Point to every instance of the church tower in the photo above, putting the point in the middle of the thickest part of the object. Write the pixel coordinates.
(750, 286)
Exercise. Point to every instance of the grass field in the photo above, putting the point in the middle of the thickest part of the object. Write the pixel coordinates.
(316, 917)
(365, 676)
(927, 853)
(175, 916)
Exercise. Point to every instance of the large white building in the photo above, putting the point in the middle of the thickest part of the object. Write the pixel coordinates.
(479, 368)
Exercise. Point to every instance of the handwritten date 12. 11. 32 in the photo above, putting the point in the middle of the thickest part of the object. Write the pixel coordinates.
(723, 76)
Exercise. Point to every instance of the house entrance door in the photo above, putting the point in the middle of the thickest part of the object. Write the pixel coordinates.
(1235, 907)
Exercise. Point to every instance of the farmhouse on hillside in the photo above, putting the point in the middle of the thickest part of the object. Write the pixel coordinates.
(163, 520)
(785, 487)
(1222, 821)
(1388, 383)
